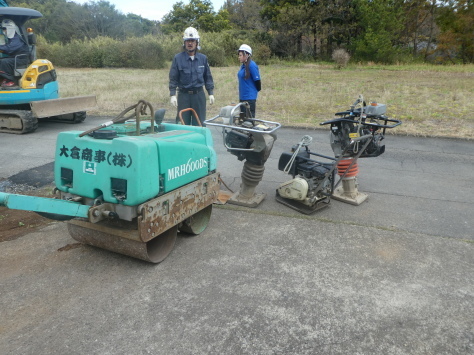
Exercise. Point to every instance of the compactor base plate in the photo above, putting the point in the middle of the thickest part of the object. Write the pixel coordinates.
(252, 202)
(355, 198)
(320, 204)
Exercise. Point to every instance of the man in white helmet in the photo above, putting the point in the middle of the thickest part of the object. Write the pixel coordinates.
(14, 47)
(189, 73)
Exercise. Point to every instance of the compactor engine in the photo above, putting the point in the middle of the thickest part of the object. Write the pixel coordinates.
(313, 180)
(359, 122)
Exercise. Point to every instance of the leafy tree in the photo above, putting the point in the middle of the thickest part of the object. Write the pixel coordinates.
(199, 14)
(65, 21)
(380, 26)
(420, 26)
(245, 14)
(456, 21)
(289, 20)
(376, 30)
(137, 26)
(105, 20)
(311, 24)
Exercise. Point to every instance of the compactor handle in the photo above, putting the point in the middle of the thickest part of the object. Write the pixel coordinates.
(240, 128)
(385, 119)
(195, 115)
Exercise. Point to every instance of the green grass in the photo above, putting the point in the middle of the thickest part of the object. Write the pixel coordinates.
(431, 100)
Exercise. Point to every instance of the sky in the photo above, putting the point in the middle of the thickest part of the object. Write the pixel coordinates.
(150, 9)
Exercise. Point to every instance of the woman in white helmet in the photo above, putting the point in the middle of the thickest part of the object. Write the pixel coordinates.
(189, 73)
(249, 78)
(14, 47)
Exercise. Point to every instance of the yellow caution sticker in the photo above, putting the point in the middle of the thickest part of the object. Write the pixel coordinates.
(354, 135)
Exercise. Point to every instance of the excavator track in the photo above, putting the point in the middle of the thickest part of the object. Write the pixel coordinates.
(76, 117)
(17, 121)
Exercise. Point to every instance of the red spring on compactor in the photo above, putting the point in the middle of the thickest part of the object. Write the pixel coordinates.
(343, 165)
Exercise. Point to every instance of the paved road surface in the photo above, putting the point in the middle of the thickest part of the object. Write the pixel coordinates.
(391, 276)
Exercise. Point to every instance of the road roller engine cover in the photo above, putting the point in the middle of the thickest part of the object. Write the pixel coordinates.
(128, 192)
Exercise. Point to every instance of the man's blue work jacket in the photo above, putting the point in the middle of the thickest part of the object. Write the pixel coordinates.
(186, 73)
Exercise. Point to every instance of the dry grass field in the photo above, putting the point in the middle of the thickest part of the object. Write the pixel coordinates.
(435, 101)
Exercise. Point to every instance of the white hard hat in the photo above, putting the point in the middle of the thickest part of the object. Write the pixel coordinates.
(10, 27)
(246, 48)
(190, 33)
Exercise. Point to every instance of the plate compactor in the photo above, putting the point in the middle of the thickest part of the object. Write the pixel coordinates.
(249, 139)
(355, 133)
(130, 185)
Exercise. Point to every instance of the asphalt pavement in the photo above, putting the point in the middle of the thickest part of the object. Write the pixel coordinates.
(391, 276)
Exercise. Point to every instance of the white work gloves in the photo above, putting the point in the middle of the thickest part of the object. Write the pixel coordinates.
(174, 101)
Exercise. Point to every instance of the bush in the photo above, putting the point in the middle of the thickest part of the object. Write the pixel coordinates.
(215, 55)
(262, 54)
(340, 57)
(144, 52)
(376, 47)
(171, 44)
(222, 48)
(154, 52)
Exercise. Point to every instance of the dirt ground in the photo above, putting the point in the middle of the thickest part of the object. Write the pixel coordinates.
(37, 181)
(16, 223)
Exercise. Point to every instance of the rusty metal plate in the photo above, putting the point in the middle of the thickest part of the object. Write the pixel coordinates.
(119, 228)
(164, 212)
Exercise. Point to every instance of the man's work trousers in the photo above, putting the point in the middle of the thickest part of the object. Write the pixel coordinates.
(196, 101)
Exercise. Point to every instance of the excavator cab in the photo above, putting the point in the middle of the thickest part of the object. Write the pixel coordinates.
(31, 41)
(35, 95)
(20, 16)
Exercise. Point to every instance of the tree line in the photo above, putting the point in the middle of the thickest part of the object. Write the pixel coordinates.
(370, 30)
(384, 31)
(65, 21)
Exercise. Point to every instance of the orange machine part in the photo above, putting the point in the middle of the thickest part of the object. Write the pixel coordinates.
(343, 165)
